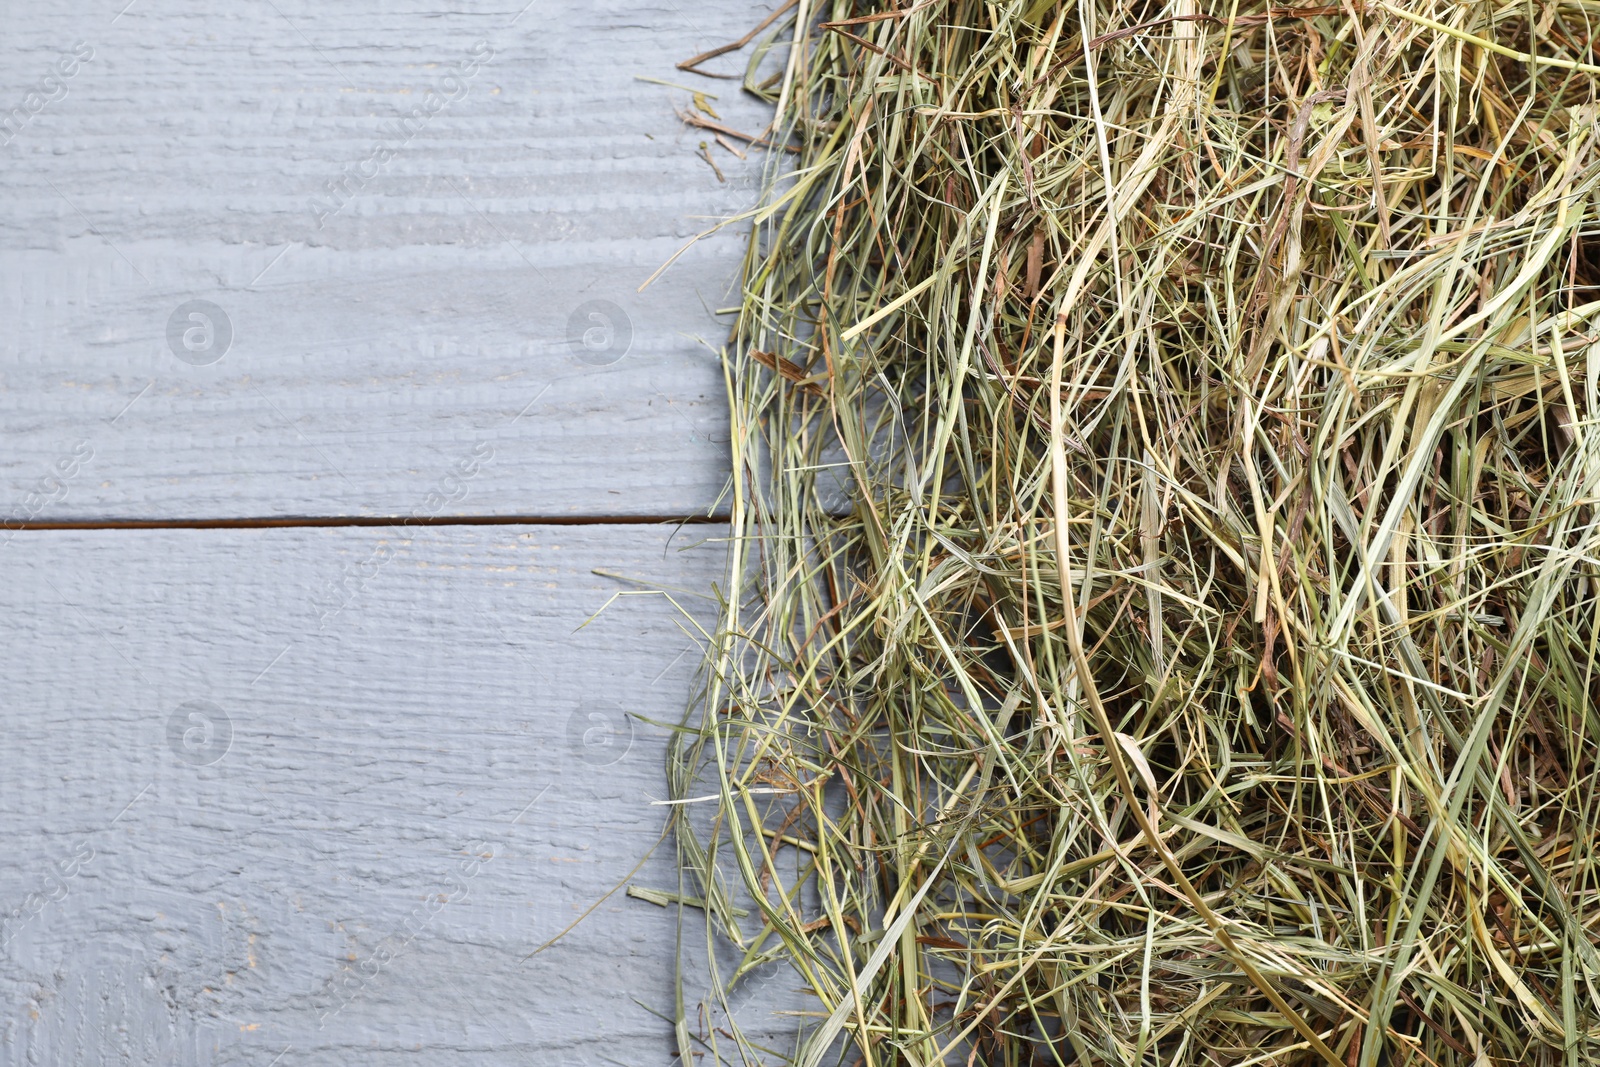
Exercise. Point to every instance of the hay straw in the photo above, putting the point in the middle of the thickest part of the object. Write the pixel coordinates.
(1166, 577)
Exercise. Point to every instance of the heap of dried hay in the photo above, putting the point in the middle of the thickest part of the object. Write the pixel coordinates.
(1167, 575)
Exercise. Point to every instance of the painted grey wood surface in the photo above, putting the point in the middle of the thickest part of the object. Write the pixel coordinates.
(238, 823)
(398, 218)
(284, 796)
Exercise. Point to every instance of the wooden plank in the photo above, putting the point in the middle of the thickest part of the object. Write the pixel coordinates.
(239, 823)
(400, 222)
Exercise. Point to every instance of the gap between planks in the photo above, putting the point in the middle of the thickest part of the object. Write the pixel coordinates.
(372, 520)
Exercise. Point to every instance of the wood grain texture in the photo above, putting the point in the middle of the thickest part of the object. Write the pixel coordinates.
(238, 823)
(399, 271)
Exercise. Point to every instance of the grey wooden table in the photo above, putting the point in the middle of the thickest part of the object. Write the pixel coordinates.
(288, 781)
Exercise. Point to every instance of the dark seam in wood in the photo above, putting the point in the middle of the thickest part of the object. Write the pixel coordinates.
(370, 520)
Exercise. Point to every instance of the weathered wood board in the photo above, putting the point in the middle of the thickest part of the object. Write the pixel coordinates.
(284, 259)
(317, 794)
